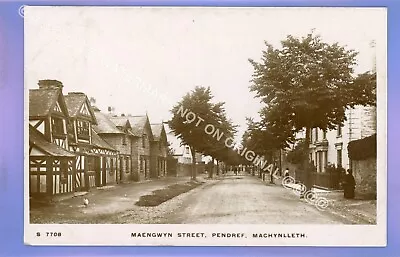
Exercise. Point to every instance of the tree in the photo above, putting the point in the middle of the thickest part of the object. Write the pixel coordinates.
(264, 140)
(308, 83)
(192, 117)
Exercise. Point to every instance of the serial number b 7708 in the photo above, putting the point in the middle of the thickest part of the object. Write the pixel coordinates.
(49, 234)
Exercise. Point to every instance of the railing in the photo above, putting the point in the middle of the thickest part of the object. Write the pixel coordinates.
(329, 180)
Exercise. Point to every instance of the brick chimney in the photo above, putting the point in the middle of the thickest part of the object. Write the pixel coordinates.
(50, 84)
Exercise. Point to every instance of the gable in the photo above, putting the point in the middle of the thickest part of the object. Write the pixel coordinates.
(147, 130)
(43, 102)
(57, 107)
(84, 110)
(79, 105)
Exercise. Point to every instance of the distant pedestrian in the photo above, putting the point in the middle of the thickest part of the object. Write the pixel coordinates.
(286, 173)
(349, 185)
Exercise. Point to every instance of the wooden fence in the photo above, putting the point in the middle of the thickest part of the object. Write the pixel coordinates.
(330, 180)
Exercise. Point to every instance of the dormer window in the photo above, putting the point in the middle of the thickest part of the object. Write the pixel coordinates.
(83, 129)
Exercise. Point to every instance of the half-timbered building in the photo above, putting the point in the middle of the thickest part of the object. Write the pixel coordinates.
(106, 173)
(82, 118)
(159, 149)
(51, 165)
(119, 140)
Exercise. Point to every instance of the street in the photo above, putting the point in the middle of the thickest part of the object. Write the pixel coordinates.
(247, 200)
(226, 200)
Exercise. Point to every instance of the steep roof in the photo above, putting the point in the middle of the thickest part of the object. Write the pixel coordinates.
(75, 101)
(157, 130)
(97, 141)
(138, 124)
(37, 139)
(105, 125)
(42, 101)
(120, 121)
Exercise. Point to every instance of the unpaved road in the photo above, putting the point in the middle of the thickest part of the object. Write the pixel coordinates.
(227, 200)
(247, 200)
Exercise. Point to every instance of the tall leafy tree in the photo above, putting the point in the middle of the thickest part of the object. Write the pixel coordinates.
(308, 83)
(190, 119)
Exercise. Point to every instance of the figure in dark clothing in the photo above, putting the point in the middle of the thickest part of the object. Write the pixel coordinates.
(286, 173)
(349, 185)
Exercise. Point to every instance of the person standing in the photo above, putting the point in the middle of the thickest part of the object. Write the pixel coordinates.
(349, 185)
(286, 173)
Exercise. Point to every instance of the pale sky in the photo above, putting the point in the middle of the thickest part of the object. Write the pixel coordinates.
(113, 54)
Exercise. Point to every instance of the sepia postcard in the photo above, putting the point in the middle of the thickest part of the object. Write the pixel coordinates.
(196, 126)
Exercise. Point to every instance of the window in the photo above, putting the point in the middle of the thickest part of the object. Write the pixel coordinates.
(316, 134)
(339, 130)
(144, 141)
(141, 165)
(159, 146)
(57, 126)
(124, 139)
(90, 163)
(187, 150)
(322, 161)
(339, 158)
(127, 165)
(324, 135)
(83, 129)
(71, 132)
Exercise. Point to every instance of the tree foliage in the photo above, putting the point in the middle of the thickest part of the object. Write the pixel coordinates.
(299, 154)
(193, 133)
(308, 83)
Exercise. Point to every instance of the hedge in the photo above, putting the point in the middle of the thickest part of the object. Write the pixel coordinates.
(363, 148)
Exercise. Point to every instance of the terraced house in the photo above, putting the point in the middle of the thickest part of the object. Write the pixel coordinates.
(51, 165)
(95, 158)
(122, 123)
(119, 140)
(65, 153)
(159, 148)
(141, 145)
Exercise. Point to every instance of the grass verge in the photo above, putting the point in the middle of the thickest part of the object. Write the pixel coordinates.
(162, 195)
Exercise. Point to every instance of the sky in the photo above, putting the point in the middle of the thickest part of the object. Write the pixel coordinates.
(143, 60)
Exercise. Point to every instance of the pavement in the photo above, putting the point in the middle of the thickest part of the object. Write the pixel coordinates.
(225, 199)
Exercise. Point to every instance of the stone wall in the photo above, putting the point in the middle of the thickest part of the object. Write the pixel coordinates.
(364, 172)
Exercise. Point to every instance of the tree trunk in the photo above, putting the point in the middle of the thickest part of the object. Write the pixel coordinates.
(211, 174)
(307, 168)
(217, 168)
(194, 171)
(280, 162)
